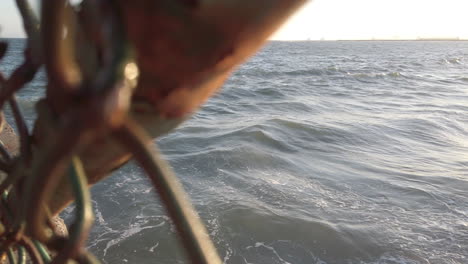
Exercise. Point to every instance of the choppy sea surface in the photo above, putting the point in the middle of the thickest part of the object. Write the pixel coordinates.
(312, 152)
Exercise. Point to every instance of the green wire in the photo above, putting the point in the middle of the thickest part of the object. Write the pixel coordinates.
(43, 251)
(84, 216)
(82, 196)
(11, 256)
(21, 255)
(79, 183)
(21, 251)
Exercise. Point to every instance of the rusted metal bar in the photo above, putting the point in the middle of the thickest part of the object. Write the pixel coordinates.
(84, 218)
(191, 230)
(31, 27)
(63, 74)
(22, 75)
(50, 168)
(96, 104)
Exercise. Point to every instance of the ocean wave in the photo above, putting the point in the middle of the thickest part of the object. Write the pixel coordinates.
(454, 60)
(261, 73)
(377, 75)
(313, 152)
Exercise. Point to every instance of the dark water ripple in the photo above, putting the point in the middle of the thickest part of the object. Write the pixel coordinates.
(313, 152)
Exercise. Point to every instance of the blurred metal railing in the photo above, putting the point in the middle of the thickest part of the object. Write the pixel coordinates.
(101, 109)
(90, 96)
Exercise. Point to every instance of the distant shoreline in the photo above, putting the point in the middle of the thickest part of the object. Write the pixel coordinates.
(422, 39)
(344, 40)
(376, 40)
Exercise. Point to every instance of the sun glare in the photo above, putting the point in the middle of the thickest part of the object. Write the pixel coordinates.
(384, 19)
(343, 19)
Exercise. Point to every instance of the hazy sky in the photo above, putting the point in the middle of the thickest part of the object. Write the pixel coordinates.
(345, 19)
(367, 19)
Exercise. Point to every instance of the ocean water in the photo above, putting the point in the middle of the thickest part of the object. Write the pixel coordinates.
(312, 152)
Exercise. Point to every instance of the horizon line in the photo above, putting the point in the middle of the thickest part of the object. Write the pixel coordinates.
(323, 39)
